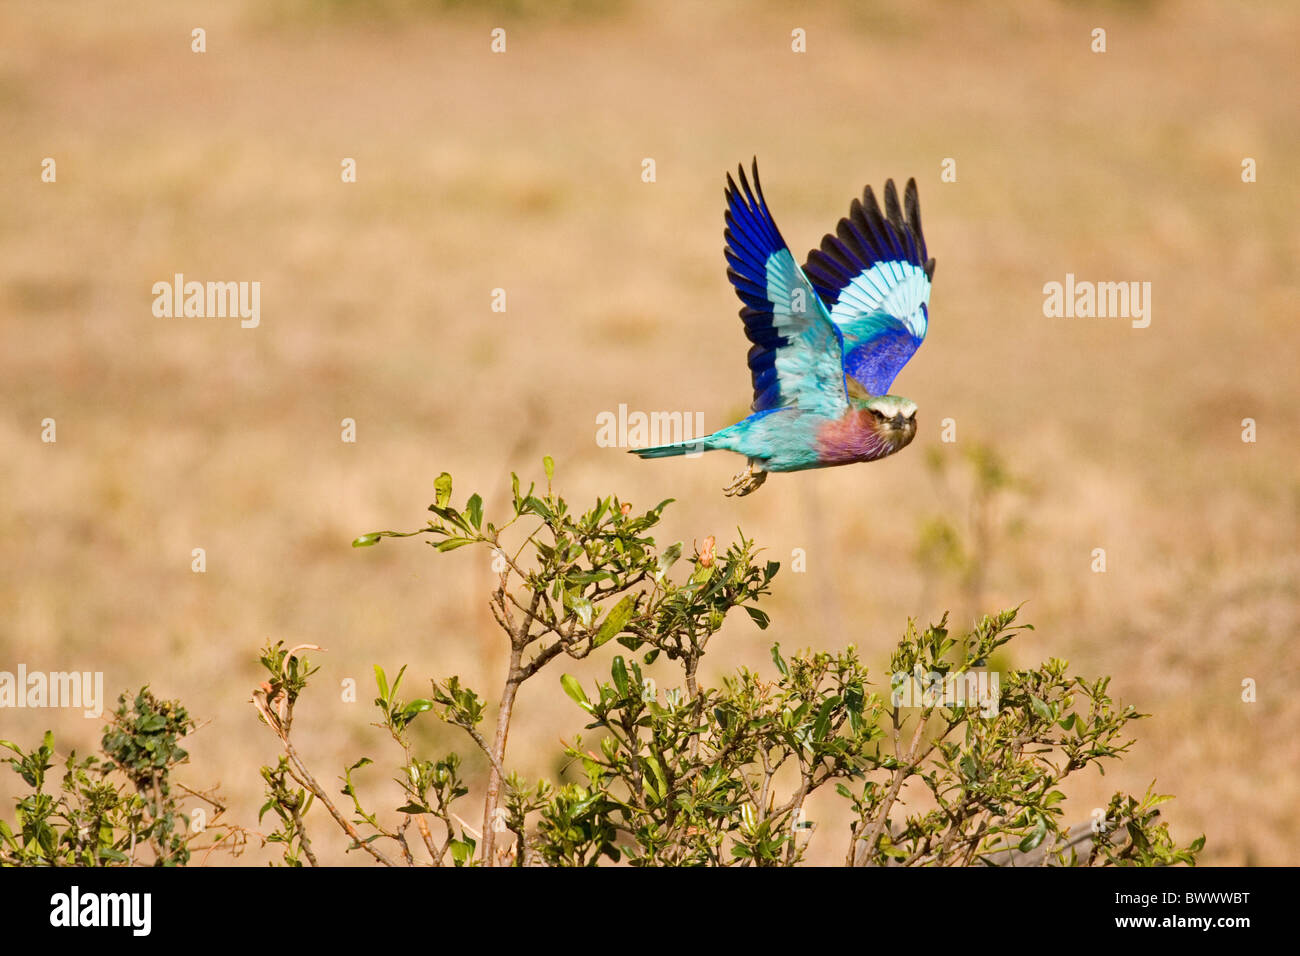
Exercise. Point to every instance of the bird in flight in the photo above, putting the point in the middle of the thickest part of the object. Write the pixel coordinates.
(828, 339)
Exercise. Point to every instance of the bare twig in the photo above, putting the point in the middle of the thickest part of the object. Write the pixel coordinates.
(303, 777)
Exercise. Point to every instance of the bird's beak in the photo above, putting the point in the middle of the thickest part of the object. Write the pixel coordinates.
(898, 422)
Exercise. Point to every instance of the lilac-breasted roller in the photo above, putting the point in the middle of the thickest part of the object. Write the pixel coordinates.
(828, 339)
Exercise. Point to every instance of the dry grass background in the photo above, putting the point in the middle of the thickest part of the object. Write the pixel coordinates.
(522, 171)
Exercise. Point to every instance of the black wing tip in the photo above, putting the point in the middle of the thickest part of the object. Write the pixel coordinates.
(869, 198)
(912, 206)
(741, 193)
(755, 195)
(895, 223)
(893, 211)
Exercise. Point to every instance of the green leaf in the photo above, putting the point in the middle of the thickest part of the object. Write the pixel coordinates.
(451, 544)
(534, 505)
(658, 772)
(1040, 708)
(669, 557)
(575, 691)
(619, 671)
(366, 540)
(461, 851)
(580, 606)
(823, 725)
(442, 490)
(615, 620)
(381, 680)
(648, 785)
(548, 465)
(888, 848)
(759, 617)
(474, 510)
(779, 661)
(1036, 837)
(418, 706)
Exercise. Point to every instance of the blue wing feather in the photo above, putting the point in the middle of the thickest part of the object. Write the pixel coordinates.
(797, 352)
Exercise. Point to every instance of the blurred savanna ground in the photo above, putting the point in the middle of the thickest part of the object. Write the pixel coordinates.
(522, 171)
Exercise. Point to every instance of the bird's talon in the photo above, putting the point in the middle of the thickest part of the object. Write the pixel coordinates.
(746, 482)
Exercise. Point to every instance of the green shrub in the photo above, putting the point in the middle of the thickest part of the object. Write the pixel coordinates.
(694, 775)
(118, 809)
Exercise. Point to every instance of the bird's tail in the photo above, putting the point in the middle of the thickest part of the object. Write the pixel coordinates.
(693, 447)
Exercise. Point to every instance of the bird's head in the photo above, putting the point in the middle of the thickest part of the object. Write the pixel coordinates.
(893, 418)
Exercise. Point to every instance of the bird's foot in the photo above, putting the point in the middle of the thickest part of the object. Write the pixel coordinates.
(747, 482)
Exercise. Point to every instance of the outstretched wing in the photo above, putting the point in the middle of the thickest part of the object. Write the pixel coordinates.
(874, 278)
(797, 355)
